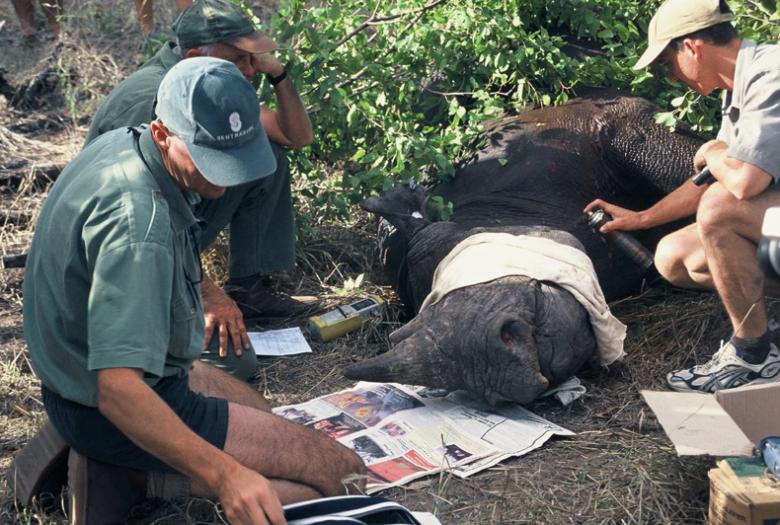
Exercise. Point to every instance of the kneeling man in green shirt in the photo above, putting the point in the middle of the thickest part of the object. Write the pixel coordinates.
(114, 319)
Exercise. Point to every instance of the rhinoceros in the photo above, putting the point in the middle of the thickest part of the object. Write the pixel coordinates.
(515, 337)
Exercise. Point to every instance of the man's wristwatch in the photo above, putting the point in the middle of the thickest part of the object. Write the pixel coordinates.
(275, 80)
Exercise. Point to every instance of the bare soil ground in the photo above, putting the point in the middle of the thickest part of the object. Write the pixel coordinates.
(620, 468)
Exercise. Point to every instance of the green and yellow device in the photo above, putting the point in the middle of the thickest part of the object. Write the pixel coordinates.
(344, 319)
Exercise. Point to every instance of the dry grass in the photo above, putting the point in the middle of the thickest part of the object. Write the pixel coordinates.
(620, 468)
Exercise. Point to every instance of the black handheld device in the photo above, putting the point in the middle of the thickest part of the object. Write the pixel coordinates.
(703, 177)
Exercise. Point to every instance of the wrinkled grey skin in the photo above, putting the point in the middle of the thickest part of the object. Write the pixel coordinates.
(513, 338)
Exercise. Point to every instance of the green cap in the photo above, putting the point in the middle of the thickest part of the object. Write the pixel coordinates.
(213, 109)
(209, 21)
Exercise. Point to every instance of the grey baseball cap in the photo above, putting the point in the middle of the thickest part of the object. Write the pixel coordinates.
(211, 107)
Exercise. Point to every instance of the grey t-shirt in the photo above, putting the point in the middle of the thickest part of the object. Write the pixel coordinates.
(751, 111)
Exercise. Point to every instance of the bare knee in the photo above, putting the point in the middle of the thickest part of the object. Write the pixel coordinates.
(670, 260)
(716, 214)
(211, 381)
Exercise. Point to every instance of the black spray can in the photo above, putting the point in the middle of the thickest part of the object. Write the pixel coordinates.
(626, 243)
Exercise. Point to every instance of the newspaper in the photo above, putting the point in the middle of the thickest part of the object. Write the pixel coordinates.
(403, 433)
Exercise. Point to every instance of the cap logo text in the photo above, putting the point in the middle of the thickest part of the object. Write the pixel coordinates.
(236, 135)
(235, 121)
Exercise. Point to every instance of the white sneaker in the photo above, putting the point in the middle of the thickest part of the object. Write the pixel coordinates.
(726, 370)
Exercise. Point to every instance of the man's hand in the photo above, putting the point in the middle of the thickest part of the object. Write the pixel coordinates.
(289, 125)
(622, 219)
(249, 499)
(130, 404)
(708, 148)
(222, 314)
(267, 64)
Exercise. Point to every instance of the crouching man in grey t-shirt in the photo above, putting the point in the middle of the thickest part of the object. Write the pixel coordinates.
(695, 40)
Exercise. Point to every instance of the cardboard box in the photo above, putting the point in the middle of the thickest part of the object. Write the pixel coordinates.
(742, 494)
(729, 423)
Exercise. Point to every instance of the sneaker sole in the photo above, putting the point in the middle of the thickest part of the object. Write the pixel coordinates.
(756, 381)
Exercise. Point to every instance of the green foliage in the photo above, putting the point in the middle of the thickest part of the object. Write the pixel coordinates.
(350, 288)
(398, 90)
(438, 209)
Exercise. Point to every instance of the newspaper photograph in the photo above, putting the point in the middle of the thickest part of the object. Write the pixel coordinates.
(403, 433)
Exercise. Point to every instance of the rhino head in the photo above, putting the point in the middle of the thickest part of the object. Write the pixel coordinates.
(506, 340)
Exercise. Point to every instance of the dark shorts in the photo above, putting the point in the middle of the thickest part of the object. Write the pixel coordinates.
(90, 433)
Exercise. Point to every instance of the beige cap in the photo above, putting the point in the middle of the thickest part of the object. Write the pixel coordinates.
(676, 18)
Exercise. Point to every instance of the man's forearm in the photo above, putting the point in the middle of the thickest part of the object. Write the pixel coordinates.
(291, 114)
(289, 125)
(679, 204)
(741, 179)
(131, 405)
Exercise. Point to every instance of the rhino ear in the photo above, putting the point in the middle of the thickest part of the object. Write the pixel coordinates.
(528, 382)
(402, 206)
(408, 329)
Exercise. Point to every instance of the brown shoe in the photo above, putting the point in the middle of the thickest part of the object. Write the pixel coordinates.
(102, 494)
(260, 301)
(40, 467)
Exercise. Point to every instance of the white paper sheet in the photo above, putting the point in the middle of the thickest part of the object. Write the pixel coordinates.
(287, 341)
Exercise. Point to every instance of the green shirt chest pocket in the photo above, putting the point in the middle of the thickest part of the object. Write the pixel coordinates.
(186, 340)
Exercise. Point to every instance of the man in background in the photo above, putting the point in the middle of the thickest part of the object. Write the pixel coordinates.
(25, 13)
(144, 9)
(260, 215)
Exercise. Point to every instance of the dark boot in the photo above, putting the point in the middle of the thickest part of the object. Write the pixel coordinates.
(260, 301)
(41, 467)
(102, 494)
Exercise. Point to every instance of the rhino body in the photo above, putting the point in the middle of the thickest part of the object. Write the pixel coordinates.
(513, 338)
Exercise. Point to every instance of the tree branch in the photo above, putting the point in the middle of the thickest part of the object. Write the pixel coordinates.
(359, 74)
(374, 21)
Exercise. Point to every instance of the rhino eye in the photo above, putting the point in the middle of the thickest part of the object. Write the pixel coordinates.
(506, 336)
(510, 333)
(514, 332)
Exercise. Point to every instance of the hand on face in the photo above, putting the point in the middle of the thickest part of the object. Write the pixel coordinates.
(267, 64)
(248, 63)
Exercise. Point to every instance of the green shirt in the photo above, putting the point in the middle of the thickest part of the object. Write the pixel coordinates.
(112, 273)
(131, 103)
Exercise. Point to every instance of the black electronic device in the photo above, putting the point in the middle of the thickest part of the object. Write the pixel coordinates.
(703, 177)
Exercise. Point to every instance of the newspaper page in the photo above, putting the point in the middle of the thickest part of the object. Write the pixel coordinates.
(403, 433)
